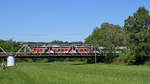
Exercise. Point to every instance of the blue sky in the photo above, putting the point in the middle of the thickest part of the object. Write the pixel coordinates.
(66, 20)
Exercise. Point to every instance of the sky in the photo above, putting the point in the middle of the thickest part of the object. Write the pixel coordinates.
(65, 20)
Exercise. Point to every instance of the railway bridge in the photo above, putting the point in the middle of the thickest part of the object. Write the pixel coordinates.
(26, 52)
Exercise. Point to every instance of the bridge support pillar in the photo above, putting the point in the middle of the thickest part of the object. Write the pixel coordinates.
(11, 61)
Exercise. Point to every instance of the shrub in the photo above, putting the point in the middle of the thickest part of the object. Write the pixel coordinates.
(147, 63)
(126, 58)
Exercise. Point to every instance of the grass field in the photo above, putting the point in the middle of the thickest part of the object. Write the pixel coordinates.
(75, 73)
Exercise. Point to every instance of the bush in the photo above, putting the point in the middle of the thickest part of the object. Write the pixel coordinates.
(126, 58)
(147, 63)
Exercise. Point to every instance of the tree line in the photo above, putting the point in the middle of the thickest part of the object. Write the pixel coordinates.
(135, 35)
(10, 45)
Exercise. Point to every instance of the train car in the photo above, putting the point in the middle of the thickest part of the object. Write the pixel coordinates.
(68, 49)
(41, 50)
(83, 49)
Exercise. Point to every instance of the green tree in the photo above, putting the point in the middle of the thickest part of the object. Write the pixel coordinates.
(107, 35)
(137, 29)
(9, 45)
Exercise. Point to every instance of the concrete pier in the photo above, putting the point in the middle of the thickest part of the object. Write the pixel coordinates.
(11, 61)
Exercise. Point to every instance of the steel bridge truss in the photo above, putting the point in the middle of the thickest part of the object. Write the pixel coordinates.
(26, 51)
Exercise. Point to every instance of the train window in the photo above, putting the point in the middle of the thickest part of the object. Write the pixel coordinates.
(58, 49)
(41, 49)
(47, 50)
(34, 50)
(66, 49)
(62, 49)
(85, 50)
(73, 48)
(81, 49)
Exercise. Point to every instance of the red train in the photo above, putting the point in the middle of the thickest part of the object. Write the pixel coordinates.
(50, 50)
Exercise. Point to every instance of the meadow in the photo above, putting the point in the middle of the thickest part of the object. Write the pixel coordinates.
(75, 73)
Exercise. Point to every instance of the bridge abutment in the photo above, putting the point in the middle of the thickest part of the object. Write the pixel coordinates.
(11, 60)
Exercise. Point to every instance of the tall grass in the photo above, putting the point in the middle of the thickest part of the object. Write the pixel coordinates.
(75, 73)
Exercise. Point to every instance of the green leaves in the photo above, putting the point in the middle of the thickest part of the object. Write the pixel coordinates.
(108, 35)
(138, 22)
(137, 32)
(9, 45)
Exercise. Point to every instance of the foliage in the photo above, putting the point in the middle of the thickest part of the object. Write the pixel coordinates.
(137, 29)
(147, 63)
(108, 35)
(135, 35)
(126, 58)
(10, 45)
(57, 41)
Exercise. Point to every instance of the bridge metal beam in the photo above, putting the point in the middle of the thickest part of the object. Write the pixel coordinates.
(25, 47)
(3, 50)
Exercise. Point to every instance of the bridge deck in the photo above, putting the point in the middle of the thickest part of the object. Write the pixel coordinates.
(22, 55)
